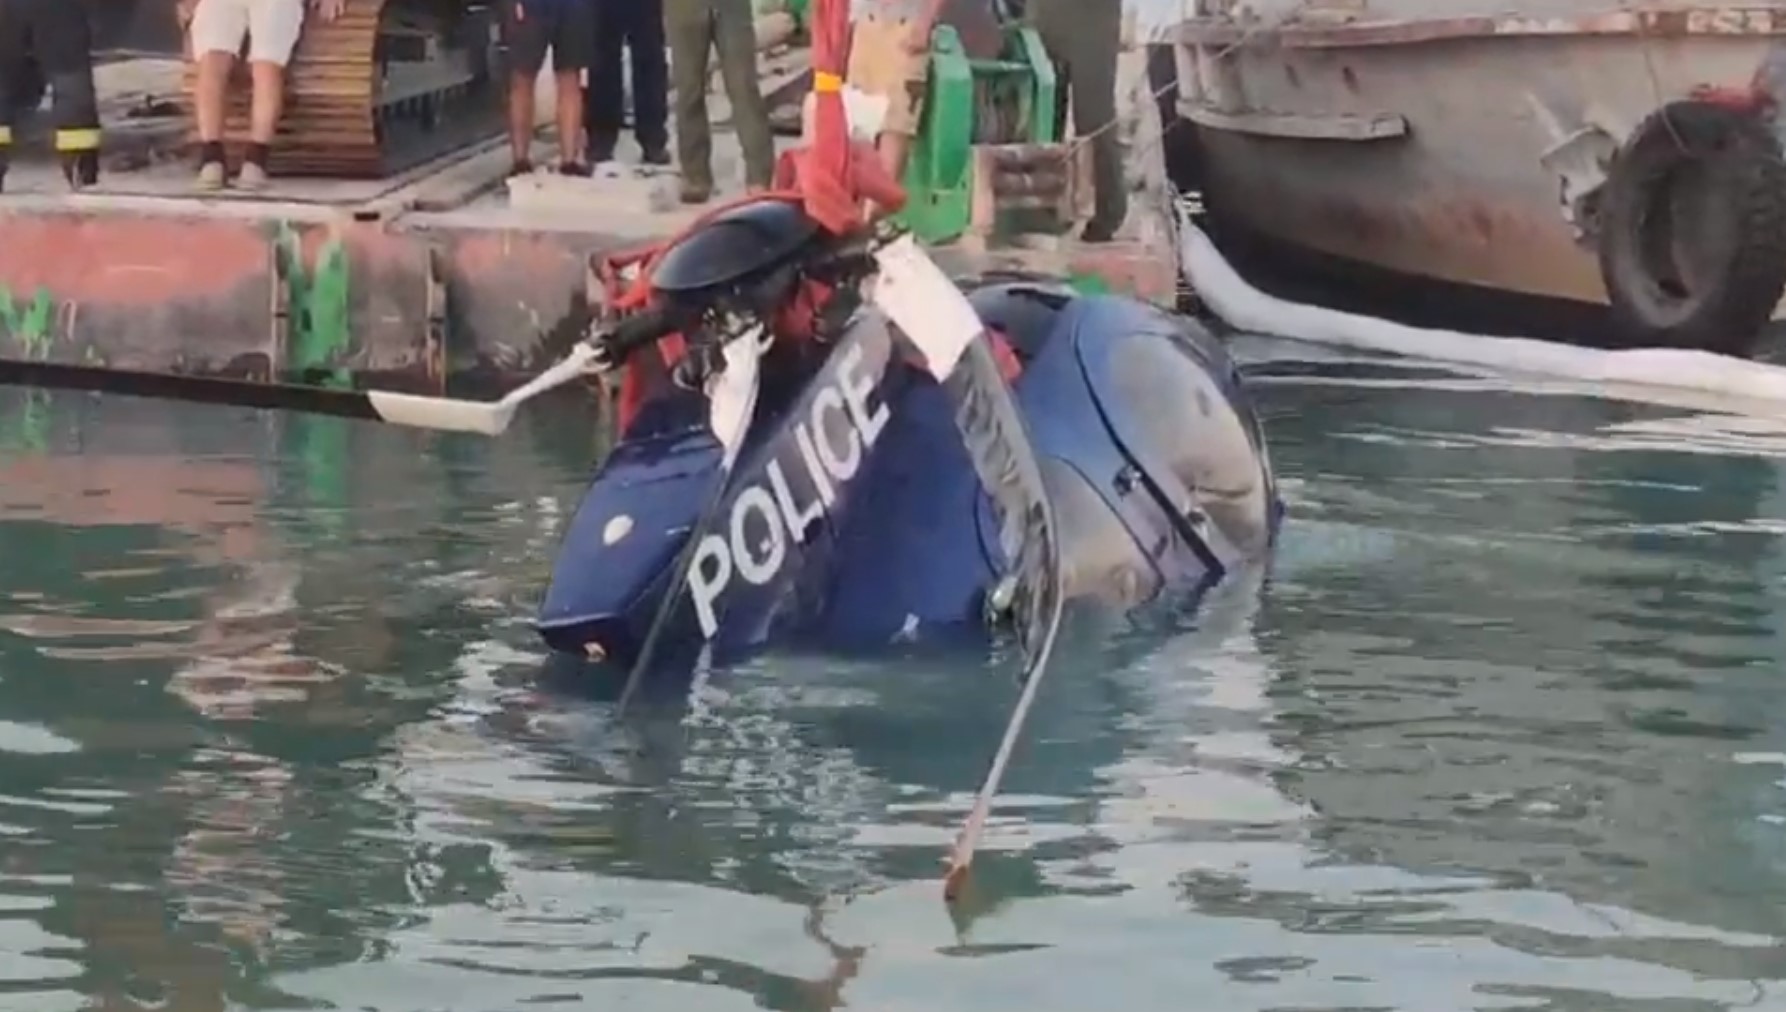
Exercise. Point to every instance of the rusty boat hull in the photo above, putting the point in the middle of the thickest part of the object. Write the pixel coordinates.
(1466, 150)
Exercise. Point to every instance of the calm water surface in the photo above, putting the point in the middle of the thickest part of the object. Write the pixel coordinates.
(1506, 728)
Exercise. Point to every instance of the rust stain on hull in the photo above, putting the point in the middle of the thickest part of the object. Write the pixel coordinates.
(1454, 237)
(246, 299)
(128, 261)
(1672, 22)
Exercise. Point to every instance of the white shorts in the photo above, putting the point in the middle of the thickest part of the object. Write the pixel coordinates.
(270, 26)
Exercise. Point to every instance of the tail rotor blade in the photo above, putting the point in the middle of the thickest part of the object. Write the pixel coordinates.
(937, 317)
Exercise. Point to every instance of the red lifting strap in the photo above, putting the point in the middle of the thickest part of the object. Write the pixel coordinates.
(833, 178)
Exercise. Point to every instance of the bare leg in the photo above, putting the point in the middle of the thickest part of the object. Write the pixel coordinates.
(521, 118)
(213, 78)
(269, 101)
(570, 117)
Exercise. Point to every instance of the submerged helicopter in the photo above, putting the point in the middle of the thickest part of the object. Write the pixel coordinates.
(813, 459)
(826, 443)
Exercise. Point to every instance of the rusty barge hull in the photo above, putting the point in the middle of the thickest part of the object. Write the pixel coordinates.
(283, 293)
(1448, 149)
(127, 293)
(446, 278)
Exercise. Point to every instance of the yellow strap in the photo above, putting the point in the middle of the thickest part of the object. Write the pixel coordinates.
(77, 140)
(823, 83)
(5, 135)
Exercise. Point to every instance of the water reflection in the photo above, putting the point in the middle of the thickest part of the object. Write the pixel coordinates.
(1552, 683)
(1495, 731)
(202, 580)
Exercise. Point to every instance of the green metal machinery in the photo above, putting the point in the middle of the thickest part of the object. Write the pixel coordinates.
(987, 138)
(799, 10)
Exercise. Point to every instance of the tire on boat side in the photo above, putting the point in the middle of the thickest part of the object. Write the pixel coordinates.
(1179, 142)
(1692, 239)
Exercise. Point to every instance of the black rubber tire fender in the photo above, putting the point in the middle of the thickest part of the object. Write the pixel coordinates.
(1179, 142)
(1692, 237)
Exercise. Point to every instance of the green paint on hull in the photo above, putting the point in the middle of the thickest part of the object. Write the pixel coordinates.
(318, 343)
(28, 322)
(28, 430)
(1089, 284)
(321, 334)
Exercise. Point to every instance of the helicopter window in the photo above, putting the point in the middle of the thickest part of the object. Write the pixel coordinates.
(1099, 557)
(1025, 314)
(1186, 423)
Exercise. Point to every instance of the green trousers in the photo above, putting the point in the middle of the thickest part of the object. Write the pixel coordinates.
(694, 27)
(1084, 38)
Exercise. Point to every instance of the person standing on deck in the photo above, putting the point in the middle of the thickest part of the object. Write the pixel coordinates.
(57, 34)
(638, 26)
(216, 29)
(529, 29)
(729, 26)
(1084, 38)
(890, 57)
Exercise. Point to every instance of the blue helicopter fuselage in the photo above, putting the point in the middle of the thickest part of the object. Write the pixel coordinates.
(853, 518)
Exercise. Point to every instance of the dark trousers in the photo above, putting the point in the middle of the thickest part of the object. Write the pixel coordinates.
(1083, 38)
(728, 27)
(637, 25)
(56, 35)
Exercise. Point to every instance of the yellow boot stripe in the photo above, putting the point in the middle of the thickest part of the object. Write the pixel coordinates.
(77, 140)
(5, 135)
